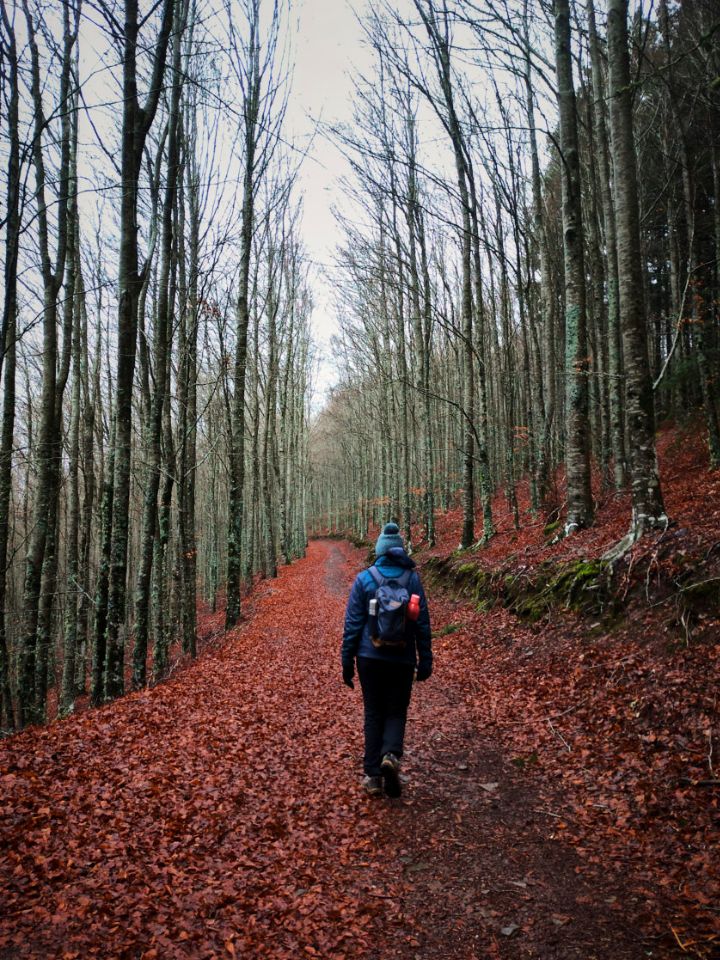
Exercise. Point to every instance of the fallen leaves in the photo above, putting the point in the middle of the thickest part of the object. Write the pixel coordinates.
(217, 814)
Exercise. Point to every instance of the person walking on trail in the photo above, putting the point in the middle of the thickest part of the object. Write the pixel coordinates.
(387, 629)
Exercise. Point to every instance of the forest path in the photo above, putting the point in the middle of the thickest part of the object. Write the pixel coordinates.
(219, 815)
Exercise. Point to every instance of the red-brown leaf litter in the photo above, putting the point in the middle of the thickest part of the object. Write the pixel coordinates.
(561, 796)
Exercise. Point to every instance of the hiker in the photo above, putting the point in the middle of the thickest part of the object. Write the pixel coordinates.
(387, 628)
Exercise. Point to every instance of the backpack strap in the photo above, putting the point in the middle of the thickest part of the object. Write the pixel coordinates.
(403, 579)
(376, 575)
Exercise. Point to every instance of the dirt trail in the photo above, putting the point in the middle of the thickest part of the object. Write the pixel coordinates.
(219, 815)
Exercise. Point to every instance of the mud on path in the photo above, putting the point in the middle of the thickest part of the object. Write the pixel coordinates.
(219, 815)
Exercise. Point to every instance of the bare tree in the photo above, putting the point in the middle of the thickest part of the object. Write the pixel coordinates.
(647, 504)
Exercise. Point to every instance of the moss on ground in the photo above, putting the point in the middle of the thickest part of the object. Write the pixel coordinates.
(580, 585)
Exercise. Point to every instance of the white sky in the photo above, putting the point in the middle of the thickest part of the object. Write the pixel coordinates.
(328, 48)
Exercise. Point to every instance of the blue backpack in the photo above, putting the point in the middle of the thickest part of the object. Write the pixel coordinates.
(388, 611)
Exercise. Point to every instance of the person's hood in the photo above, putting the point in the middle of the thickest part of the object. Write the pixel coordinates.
(395, 557)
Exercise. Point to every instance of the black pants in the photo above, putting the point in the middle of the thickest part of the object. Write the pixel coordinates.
(386, 689)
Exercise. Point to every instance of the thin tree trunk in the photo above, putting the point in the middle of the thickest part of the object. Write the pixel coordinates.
(545, 291)
(90, 406)
(8, 336)
(189, 458)
(251, 114)
(72, 573)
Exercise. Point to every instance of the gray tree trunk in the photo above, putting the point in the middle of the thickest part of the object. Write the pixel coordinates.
(33, 666)
(161, 350)
(647, 502)
(615, 362)
(577, 439)
(136, 124)
(8, 335)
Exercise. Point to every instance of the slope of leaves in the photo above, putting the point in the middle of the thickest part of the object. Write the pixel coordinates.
(692, 501)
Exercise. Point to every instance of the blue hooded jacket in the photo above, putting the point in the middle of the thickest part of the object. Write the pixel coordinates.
(356, 635)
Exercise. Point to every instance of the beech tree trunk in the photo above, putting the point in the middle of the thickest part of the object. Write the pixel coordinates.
(251, 134)
(136, 124)
(161, 350)
(615, 364)
(8, 356)
(647, 503)
(577, 428)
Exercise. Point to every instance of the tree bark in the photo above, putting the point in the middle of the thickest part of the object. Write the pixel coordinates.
(8, 336)
(161, 350)
(251, 112)
(577, 452)
(647, 504)
(136, 124)
(615, 361)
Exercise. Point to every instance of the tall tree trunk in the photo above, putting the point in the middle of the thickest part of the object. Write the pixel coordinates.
(251, 110)
(91, 400)
(647, 503)
(577, 440)
(8, 356)
(72, 572)
(188, 471)
(479, 330)
(404, 423)
(697, 273)
(545, 292)
(438, 33)
(161, 350)
(427, 333)
(136, 124)
(97, 670)
(160, 598)
(615, 363)
(32, 668)
(270, 558)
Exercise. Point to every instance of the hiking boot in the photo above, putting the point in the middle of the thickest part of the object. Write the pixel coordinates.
(373, 786)
(390, 769)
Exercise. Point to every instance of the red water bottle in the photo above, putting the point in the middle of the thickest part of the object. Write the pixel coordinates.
(413, 607)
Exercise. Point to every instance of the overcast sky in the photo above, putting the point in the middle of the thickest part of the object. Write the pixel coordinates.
(328, 48)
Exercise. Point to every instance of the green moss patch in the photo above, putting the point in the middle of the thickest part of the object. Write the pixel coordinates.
(580, 585)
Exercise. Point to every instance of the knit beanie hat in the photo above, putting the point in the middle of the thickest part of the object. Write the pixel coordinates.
(390, 537)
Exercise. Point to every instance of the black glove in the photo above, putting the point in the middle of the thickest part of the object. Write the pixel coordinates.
(348, 674)
(423, 672)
